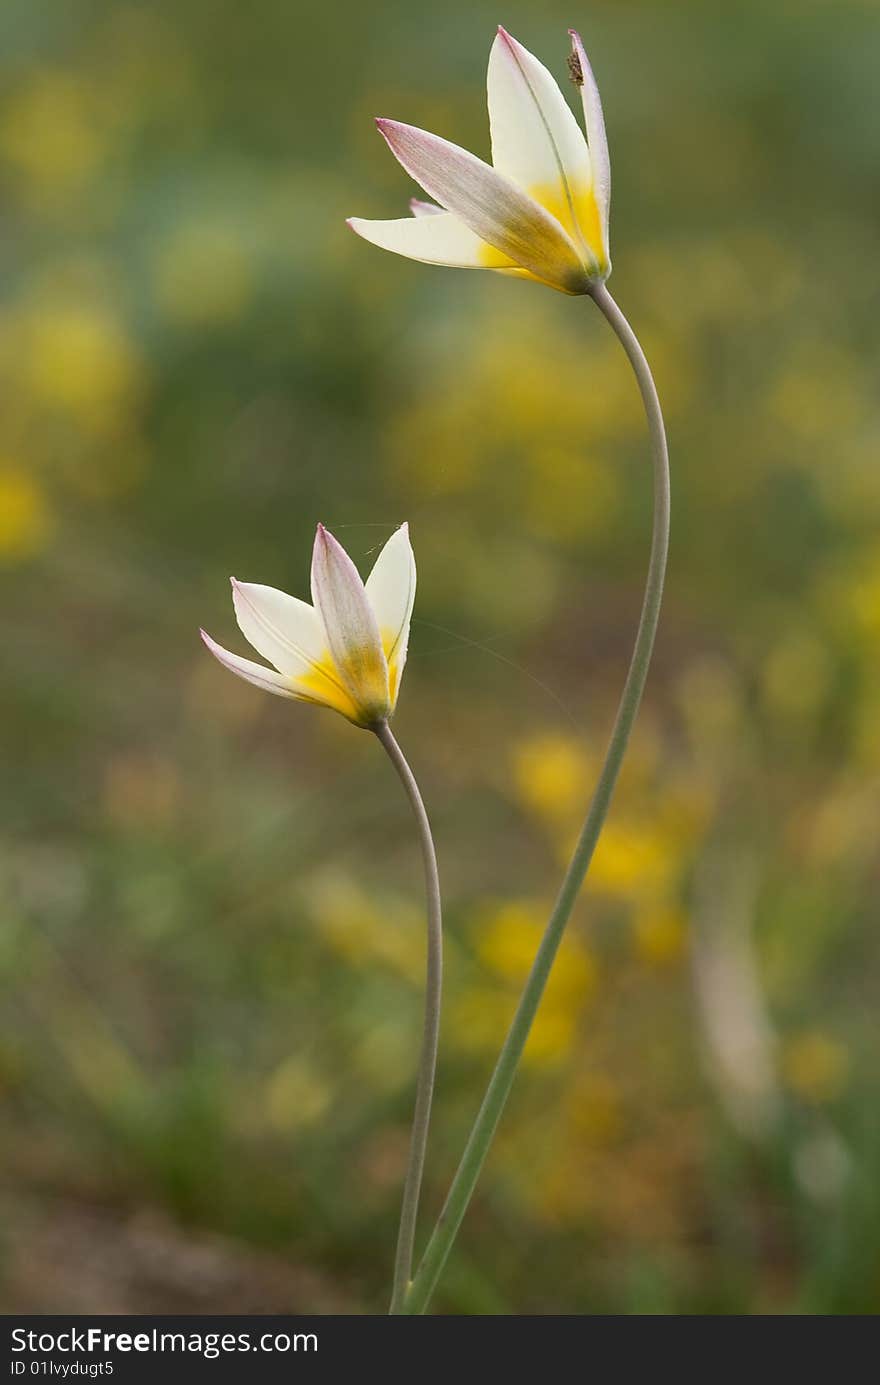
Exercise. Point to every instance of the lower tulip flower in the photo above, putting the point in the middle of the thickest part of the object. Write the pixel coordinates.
(347, 652)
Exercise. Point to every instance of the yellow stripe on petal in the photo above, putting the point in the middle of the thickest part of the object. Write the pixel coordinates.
(391, 645)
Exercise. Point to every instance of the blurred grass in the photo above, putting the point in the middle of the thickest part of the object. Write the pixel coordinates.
(211, 942)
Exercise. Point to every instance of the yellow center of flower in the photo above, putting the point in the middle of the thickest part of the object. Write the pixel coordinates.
(359, 690)
(577, 211)
(322, 686)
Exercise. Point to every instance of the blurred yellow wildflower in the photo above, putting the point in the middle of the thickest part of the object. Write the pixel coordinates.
(49, 134)
(507, 940)
(552, 773)
(635, 858)
(856, 596)
(479, 1016)
(542, 434)
(26, 523)
(78, 358)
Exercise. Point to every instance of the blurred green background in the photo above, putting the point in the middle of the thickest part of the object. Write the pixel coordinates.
(212, 936)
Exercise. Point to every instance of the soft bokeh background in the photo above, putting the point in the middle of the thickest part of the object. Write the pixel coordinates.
(211, 943)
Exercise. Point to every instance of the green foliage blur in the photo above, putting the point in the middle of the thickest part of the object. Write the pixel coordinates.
(212, 928)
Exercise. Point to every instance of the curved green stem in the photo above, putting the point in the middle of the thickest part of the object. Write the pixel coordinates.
(431, 1034)
(501, 1082)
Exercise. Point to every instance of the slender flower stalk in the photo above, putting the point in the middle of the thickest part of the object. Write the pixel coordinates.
(501, 1082)
(347, 651)
(539, 211)
(431, 1033)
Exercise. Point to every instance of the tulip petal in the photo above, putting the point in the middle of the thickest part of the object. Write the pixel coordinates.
(492, 206)
(596, 136)
(258, 674)
(286, 631)
(536, 140)
(420, 208)
(434, 237)
(391, 590)
(350, 625)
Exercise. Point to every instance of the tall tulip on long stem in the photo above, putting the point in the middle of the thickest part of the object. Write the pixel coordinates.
(540, 211)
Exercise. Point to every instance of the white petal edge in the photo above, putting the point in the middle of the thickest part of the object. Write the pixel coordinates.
(420, 208)
(434, 237)
(492, 206)
(391, 590)
(265, 678)
(597, 139)
(286, 631)
(536, 139)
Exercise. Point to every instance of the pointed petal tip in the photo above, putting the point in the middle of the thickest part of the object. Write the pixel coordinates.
(324, 540)
(389, 128)
(507, 40)
(385, 128)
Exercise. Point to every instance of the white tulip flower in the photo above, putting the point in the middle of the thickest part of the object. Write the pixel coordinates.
(540, 210)
(348, 650)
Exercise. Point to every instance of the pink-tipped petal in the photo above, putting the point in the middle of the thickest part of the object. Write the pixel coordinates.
(596, 136)
(350, 625)
(261, 677)
(494, 208)
(420, 208)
